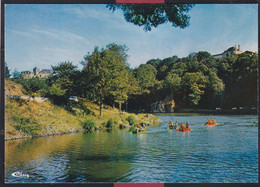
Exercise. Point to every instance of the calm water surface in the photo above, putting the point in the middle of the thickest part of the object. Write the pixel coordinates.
(224, 153)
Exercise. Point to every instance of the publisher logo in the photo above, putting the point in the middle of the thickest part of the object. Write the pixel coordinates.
(20, 174)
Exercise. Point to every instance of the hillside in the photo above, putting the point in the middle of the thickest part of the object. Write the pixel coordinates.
(12, 88)
(27, 119)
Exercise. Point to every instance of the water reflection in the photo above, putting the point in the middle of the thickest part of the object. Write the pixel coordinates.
(73, 157)
(224, 153)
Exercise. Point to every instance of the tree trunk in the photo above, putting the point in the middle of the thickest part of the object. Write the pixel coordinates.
(100, 105)
(126, 106)
(120, 107)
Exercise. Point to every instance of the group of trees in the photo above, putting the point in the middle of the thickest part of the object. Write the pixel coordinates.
(198, 80)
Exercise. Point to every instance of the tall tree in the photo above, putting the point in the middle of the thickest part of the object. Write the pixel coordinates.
(123, 89)
(194, 85)
(64, 68)
(172, 83)
(121, 50)
(146, 77)
(64, 75)
(214, 90)
(106, 75)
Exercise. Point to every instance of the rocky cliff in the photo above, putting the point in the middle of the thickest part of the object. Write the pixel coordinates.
(167, 105)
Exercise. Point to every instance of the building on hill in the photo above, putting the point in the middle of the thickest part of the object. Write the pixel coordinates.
(27, 74)
(44, 73)
(231, 50)
(36, 71)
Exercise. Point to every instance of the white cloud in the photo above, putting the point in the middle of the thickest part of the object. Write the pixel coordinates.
(60, 35)
(22, 33)
(88, 12)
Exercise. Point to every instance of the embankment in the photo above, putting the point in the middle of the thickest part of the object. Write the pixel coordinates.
(25, 119)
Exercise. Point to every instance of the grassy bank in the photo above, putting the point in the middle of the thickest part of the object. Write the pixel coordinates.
(25, 118)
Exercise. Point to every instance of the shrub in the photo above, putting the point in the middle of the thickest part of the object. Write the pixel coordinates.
(132, 129)
(131, 120)
(121, 126)
(88, 125)
(26, 125)
(110, 123)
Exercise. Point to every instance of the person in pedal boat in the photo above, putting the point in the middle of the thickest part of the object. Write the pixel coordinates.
(187, 126)
(182, 128)
(140, 127)
(170, 124)
(176, 125)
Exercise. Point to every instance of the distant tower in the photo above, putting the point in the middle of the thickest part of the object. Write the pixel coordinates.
(238, 47)
(36, 71)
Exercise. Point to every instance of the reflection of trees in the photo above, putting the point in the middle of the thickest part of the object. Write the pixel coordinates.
(36, 155)
(102, 157)
(88, 157)
(35, 148)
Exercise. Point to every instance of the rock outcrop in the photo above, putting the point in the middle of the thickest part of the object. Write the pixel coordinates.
(163, 106)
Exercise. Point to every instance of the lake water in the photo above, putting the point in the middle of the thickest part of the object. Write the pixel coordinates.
(224, 153)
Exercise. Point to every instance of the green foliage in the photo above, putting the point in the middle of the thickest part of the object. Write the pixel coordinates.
(131, 120)
(153, 15)
(172, 82)
(132, 129)
(215, 84)
(88, 125)
(146, 77)
(56, 90)
(56, 94)
(108, 74)
(64, 68)
(124, 88)
(32, 85)
(7, 72)
(193, 85)
(154, 62)
(110, 123)
(26, 125)
(62, 84)
(202, 55)
(120, 50)
(121, 126)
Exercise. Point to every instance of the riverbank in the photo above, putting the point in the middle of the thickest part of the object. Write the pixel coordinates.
(26, 119)
(234, 111)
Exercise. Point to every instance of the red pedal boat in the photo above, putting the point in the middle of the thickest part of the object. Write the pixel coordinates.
(187, 130)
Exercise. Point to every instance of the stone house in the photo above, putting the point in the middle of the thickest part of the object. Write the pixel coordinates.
(44, 73)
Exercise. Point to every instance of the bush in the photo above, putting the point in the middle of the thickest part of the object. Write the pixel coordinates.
(131, 120)
(121, 126)
(132, 129)
(110, 123)
(26, 125)
(88, 125)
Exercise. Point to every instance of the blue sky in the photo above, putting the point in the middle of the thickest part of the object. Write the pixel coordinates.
(44, 35)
